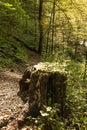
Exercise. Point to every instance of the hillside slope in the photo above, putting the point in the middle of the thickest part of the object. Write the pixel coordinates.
(14, 52)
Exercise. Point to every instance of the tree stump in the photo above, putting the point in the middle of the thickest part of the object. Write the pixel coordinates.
(45, 84)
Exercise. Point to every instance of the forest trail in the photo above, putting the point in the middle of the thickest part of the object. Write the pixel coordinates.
(11, 105)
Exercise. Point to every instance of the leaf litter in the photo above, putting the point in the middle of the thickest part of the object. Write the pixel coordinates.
(11, 105)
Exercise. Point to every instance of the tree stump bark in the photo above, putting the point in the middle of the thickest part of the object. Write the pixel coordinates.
(45, 84)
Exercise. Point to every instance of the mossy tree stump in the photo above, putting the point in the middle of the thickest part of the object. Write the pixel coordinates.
(46, 85)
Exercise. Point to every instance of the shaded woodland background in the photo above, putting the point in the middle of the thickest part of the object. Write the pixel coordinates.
(56, 31)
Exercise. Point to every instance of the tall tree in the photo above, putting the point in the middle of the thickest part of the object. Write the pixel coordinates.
(53, 25)
(40, 26)
(35, 20)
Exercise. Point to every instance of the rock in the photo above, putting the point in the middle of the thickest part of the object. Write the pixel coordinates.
(45, 84)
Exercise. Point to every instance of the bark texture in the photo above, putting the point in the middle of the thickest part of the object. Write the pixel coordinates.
(46, 85)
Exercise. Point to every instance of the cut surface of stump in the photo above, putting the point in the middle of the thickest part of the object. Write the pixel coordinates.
(45, 84)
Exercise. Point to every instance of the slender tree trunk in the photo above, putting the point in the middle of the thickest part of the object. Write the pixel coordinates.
(47, 45)
(53, 28)
(40, 27)
(35, 20)
(47, 42)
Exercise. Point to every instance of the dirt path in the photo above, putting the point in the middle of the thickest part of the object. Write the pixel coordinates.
(11, 105)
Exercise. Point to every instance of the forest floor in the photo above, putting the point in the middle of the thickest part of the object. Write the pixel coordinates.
(12, 106)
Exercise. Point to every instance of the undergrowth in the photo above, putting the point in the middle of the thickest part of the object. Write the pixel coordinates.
(12, 53)
(75, 117)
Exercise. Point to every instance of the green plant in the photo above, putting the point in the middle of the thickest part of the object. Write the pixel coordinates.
(49, 119)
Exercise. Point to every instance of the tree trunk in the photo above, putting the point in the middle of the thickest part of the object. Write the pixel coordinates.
(35, 19)
(40, 27)
(53, 28)
(47, 42)
(48, 33)
(46, 85)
